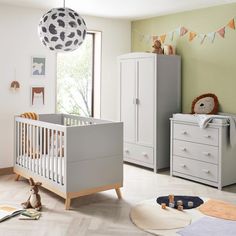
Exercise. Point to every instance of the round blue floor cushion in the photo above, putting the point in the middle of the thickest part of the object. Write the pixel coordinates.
(197, 201)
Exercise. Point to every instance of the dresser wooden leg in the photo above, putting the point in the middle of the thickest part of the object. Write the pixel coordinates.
(118, 193)
(67, 203)
(17, 177)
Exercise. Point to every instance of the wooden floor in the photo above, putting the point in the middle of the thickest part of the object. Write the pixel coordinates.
(100, 214)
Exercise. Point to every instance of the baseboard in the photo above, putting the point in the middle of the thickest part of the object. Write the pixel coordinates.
(6, 171)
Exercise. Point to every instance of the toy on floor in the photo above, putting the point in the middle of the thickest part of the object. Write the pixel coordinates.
(187, 202)
(163, 206)
(205, 104)
(34, 200)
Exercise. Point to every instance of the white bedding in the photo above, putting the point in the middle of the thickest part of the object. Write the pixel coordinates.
(194, 118)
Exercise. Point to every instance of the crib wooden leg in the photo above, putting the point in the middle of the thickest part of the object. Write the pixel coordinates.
(67, 203)
(17, 177)
(118, 193)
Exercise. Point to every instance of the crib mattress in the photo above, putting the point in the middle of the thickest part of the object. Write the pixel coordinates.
(51, 164)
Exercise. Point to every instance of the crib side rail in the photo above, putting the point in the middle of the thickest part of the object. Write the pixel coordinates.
(74, 120)
(39, 148)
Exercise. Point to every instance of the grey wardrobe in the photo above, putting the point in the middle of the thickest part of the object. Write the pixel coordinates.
(150, 92)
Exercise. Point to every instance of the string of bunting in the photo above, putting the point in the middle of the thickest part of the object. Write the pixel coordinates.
(182, 31)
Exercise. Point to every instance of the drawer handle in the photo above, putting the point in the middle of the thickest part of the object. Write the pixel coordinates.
(207, 153)
(126, 151)
(206, 171)
(184, 132)
(183, 165)
(145, 154)
(207, 136)
(184, 149)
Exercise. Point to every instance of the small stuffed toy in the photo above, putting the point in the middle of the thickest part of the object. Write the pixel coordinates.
(157, 47)
(205, 104)
(34, 200)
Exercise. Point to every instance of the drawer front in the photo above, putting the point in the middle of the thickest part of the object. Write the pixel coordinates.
(196, 134)
(196, 151)
(195, 168)
(139, 153)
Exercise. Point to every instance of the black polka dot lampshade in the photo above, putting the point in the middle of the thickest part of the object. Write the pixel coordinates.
(62, 30)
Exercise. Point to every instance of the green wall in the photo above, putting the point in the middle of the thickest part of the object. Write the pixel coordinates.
(205, 68)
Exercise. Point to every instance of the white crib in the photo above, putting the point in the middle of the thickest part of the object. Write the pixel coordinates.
(72, 156)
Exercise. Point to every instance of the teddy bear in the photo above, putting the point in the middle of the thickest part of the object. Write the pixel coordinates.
(157, 47)
(205, 104)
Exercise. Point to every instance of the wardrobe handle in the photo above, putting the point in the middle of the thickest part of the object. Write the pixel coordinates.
(145, 154)
(206, 171)
(183, 165)
(207, 136)
(184, 149)
(136, 101)
(184, 132)
(207, 153)
(126, 151)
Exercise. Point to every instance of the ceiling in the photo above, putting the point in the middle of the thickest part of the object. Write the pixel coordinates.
(126, 9)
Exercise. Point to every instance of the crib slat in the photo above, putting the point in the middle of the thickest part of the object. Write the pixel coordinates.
(52, 155)
(37, 149)
(17, 143)
(48, 154)
(40, 149)
(61, 173)
(56, 156)
(32, 149)
(44, 152)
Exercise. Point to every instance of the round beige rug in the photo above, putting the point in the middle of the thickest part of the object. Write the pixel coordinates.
(150, 217)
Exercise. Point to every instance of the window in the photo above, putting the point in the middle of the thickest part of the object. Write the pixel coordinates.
(75, 79)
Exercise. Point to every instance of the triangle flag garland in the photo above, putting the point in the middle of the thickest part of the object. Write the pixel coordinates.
(221, 32)
(162, 38)
(202, 38)
(178, 31)
(211, 36)
(171, 35)
(191, 36)
(231, 24)
(183, 31)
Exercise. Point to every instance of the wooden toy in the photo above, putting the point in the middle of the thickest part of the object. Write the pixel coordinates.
(172, 204)
(171, 198)
(180, 208)
(163, 206)
(179, 203)
(190, 204)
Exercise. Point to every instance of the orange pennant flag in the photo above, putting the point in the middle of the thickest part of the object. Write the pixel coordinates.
(154, 38)
(231, 24)
(191, 36)
(162, 38)
(183, 31)
(221, 32)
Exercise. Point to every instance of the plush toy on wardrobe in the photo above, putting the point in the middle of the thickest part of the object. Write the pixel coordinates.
(157, 47)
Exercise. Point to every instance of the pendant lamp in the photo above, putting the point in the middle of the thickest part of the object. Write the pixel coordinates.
(62, 29)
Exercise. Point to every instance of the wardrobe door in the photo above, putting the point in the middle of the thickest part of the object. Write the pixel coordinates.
(145, 95)
(128, 87)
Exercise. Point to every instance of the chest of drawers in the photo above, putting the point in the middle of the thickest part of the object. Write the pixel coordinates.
(202, 155)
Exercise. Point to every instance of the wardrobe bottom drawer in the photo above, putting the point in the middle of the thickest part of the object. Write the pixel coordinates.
(195, 168)
(138, 153)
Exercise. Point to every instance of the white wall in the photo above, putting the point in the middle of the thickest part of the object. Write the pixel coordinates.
(19, 42)
(116, 40)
